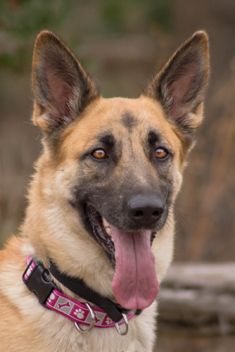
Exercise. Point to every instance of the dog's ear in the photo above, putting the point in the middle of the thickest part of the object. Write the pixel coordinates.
(61, 87)
(181, 84)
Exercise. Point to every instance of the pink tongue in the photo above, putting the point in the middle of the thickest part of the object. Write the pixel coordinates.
(134, 283)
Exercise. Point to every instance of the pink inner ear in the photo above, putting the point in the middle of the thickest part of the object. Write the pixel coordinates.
(180, 88)
(60, 91)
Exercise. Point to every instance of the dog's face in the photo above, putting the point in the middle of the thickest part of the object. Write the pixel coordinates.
(126, 167)
(116, 164)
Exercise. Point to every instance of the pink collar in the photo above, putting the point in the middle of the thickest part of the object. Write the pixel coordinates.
(81, 313)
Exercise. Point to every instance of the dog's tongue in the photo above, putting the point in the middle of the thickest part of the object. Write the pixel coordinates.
(134, 283)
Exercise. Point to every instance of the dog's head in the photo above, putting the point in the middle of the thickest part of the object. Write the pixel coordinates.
(113, 167)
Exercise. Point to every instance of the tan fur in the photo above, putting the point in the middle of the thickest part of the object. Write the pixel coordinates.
(53, 229)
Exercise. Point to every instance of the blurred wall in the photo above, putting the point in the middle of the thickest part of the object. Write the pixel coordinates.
(121, 44)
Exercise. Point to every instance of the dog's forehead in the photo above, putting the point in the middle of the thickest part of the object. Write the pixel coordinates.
(120, 117)
(123, 115)
(128, 112)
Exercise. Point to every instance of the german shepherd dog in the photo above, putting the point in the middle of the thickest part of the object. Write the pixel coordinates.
(99, 222)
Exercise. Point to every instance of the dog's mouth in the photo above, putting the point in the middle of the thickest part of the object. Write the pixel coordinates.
(134, 284)
(100, 230)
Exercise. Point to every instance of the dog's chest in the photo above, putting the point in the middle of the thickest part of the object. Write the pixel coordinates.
(46, 331)
(63, 337)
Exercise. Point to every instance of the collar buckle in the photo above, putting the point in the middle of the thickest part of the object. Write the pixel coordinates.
(38, 280)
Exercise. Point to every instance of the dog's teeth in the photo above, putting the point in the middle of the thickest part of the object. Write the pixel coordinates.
(107, 226)
(105, 223)
(108, 230)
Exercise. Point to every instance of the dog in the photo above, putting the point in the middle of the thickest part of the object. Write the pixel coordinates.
(98, 234)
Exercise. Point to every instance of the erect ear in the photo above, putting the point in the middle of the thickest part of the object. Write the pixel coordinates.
(181, 84)
(61, 87)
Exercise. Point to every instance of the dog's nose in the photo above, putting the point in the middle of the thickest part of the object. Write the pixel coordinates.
(145, 210)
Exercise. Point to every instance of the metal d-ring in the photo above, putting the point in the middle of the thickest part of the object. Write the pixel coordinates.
(118, 326)
(84, 331)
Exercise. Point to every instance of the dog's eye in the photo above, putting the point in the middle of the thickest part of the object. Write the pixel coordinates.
(161, 153)
(99, 154)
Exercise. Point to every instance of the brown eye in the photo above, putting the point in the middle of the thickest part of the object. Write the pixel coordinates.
(161, 153)
(99, 154)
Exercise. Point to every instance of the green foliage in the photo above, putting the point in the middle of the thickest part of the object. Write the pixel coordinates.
(25, 17)
(160, 12)
(133, 14)
(20, 20)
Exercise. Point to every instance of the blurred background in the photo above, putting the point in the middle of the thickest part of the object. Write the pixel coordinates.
(122, 43)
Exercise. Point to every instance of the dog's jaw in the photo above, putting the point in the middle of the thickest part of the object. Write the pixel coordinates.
(134, 283)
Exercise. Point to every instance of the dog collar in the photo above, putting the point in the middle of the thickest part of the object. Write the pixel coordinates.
(103, 314)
